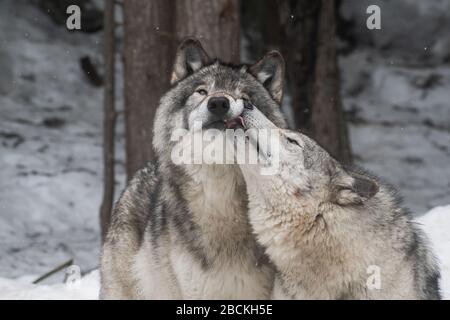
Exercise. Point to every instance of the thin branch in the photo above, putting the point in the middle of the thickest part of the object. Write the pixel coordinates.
(53, 271)
(109, 120)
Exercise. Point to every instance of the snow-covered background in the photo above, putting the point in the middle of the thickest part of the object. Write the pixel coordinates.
(396, 91)
(50, 144)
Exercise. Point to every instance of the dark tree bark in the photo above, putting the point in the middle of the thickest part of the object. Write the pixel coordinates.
(299, 22)
(148, 54)
(215, 23)
(308, 43)
(327, 122)
(109, 119)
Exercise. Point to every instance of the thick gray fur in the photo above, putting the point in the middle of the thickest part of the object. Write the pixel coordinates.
(182, 231)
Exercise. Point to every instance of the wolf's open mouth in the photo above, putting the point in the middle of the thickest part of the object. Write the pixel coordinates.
(234, 123)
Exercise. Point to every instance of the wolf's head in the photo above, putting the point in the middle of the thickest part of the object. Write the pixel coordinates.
(305, 171)
(208, 94)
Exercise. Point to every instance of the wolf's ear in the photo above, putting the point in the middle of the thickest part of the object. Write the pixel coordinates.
(270, 72)
(354, 188)
(189, 58)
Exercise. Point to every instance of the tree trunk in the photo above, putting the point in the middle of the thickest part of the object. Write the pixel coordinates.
(308, 43)
(148, 54)
(109, 119)
(328, 125)
(299, 22)
(215, 23)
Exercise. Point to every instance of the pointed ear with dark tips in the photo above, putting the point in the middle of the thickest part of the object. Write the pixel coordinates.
(190, 57)
(270, 72)
(355, 188)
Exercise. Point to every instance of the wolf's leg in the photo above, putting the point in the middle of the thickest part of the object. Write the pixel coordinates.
(116, 279)
(154, 271)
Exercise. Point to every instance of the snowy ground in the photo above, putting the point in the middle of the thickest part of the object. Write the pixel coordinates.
(50, 147)
(436, 224)
(86, 288)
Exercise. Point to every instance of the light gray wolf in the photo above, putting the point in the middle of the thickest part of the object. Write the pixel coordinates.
(182, 231)
(332, 232)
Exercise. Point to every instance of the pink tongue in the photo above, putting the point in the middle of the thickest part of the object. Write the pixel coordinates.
(232, 123)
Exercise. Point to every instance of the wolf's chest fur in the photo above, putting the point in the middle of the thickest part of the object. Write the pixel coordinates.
(217, 200)
(231, 268)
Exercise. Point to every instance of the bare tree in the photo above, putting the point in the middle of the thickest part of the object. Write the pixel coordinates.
(305, 31)
(109, 119)
(309, 44)
(327, 121)
(215, 23)
(148, 53)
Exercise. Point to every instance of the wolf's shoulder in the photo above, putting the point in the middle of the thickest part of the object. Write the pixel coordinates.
(144, 177)
(140, 187)
(134, 204)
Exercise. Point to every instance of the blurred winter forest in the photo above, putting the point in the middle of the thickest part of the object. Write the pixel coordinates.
(76, 106)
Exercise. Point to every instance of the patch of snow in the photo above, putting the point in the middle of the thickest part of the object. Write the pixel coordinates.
(86, 288)
(436, 224)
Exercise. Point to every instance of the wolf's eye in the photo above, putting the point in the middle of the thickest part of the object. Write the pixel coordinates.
(247, 103)
(203, 92)
(292, 141)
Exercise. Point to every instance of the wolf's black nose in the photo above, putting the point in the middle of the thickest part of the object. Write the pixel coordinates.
(218, 106)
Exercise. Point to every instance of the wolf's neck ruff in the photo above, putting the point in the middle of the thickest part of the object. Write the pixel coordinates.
(216, 198)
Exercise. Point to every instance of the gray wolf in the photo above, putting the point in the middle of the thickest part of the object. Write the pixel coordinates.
(182, 231)
(327, 228)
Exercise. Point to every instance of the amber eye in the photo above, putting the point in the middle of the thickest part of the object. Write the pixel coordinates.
(203, 92)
